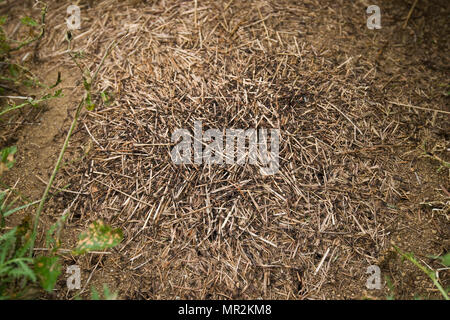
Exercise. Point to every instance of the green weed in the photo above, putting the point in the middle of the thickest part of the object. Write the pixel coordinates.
(432, 274)
(22, 273)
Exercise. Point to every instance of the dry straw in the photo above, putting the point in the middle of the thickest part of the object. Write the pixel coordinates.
(198, 231)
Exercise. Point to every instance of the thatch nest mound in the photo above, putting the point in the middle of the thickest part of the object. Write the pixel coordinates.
(355, 108)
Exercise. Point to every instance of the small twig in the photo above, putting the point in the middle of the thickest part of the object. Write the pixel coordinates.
(59, 189)
(410, 13)
(416, 107)
(69, 251)
(445, 190)
(322, 261)
(259, 237)
(16, 97)
(345, 116)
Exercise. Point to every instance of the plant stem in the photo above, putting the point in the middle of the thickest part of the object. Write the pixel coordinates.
(429, 272)
(61, 155)
(55, 171)
(41, 34)
(22, 105)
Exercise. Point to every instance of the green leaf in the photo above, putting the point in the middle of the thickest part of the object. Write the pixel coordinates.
(58, 93)
(7, 241)
(89, 104)
(107, 295)
(94, 294)
(47, 270)
(87, 85)
(52, 234)
(13, 70)
(391, 295)
(33, 102)
(8, 235)
(10, 212)
(98, 237)
(445, 259)
(29, 22)
(23, 270)
(7, 158)
(28, 83)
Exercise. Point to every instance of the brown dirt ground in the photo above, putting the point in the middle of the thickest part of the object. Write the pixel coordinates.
(354, 177)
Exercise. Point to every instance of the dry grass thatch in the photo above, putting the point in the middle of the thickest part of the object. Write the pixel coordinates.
(353, 106)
